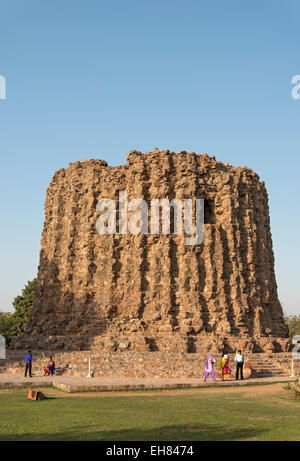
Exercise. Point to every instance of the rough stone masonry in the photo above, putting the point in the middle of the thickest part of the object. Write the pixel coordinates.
(153, 292)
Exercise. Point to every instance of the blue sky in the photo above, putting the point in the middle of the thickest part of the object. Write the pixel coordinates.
(97, 79)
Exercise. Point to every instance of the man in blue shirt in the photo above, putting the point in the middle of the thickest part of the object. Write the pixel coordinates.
(28, 362)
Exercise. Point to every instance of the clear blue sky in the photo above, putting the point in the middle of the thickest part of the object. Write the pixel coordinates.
(97, 78)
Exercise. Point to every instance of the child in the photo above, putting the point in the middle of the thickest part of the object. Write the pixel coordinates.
(224, 366)
(50, 369)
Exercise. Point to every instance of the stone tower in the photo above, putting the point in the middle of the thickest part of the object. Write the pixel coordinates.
(154, 292)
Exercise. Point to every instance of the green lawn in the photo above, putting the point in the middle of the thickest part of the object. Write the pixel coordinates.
(261, 413)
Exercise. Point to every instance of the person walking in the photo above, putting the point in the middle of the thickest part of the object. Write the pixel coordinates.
(28, 363)
(209, 368)
(239, 361)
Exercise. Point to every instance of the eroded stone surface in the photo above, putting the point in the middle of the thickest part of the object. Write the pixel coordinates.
(154, 292)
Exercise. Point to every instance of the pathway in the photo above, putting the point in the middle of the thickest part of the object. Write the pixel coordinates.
(81, 384)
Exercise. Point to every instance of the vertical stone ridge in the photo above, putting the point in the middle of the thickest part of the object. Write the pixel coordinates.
(153, 291)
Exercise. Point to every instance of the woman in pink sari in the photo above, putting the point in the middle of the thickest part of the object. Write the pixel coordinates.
(209, 368)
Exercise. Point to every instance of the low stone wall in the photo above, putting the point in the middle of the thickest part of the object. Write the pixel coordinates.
(142, 364)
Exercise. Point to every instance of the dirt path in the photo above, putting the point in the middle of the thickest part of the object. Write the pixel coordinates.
(267, 389)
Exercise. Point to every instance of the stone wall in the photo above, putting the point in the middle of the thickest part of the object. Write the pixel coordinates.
(153, 292)
(144, 364)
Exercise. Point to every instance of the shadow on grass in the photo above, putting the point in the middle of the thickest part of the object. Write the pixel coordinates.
(166, 433)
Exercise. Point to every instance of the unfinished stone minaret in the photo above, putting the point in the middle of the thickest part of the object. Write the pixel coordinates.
(154, 292)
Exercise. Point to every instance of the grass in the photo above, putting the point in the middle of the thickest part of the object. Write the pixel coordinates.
(293, 389)
(257, 413)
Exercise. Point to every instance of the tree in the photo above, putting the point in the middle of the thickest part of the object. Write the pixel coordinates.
(22, 305)
(293, 323)
(5, 324)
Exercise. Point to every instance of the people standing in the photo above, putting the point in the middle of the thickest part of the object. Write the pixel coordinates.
(28, 363)
(209, 368)
(239, 361)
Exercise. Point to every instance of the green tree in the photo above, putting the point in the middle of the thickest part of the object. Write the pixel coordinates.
(22, 305)
(5, 324)
(293, 323)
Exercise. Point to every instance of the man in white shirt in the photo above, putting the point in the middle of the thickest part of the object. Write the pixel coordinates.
(239, 361)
